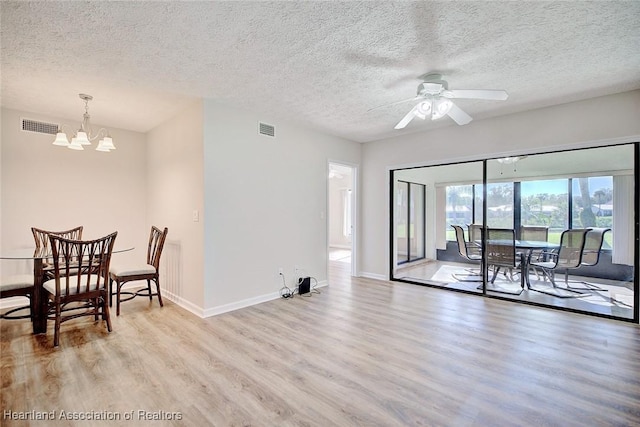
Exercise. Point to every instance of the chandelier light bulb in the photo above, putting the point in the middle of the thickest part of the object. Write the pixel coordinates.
(61, 139)
(82, 138)
(75, 144)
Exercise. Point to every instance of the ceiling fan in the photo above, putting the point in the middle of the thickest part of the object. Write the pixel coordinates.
(435, 101)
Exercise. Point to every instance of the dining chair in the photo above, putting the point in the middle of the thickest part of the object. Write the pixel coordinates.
(19, 285)
(590, 255)
(470, 251)
(501, 254)
(475, 236)
(535, 233)
(89, 260)
(41, 238)
(568, 256)
(122, 274)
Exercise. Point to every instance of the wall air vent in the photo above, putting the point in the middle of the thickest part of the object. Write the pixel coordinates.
(40, 127)
(265, 129)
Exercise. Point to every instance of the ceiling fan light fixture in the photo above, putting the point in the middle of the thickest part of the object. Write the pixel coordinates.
(440, 109)
(510, 160)
(423, 109)
(435, 98)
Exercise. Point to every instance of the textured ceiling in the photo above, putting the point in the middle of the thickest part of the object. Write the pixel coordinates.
(320, 64)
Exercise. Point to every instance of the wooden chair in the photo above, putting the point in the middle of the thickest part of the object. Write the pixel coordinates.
(41, 238)
(19, 285)
(568, 256)
(80, 275)
(149, 272)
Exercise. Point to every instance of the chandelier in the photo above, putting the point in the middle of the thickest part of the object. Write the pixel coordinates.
(84, 135)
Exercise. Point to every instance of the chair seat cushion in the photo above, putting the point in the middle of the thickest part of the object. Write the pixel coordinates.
(132, 270)
(50, 285)
(17, 281)
(548, 265)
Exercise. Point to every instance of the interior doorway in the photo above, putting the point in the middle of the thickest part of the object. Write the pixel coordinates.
(342, 215)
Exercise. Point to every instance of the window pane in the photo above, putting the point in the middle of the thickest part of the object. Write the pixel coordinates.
(593, 204)
(500, 205)
(545, 202)
(459, 207)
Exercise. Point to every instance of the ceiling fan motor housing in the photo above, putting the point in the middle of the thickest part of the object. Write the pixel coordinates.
(432, 88)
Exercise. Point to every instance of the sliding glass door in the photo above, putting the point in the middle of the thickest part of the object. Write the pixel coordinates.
(537, 199)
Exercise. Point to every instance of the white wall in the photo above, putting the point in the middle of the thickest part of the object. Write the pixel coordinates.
(175, 178)
(265, 204)
(55, 188)
(579, 123)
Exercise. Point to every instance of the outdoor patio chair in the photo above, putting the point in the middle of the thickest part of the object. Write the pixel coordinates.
(568, 256)
(470, 251)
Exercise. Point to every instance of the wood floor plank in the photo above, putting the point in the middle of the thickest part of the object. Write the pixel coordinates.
(362, 352)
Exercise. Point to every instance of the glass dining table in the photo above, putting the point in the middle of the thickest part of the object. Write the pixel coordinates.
(39, 314)
(527, 248)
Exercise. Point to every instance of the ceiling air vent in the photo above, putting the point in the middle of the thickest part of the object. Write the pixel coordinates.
(40, 127)
(265, 129)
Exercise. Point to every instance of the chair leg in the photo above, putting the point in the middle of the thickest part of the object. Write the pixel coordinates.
(106, 315)
(56, 330)
(495, 274)
(118, 285)
(149, 289)
(110, 292)
(96, 308)
(157, 280)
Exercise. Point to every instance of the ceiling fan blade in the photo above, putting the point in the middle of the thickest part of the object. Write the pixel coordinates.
(459, 116)
(395, 103)
(406, 119)
(495, 95)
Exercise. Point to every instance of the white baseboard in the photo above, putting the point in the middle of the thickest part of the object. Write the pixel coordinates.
(214, 311)
(340, 246)
(181, 302)
(375, 276)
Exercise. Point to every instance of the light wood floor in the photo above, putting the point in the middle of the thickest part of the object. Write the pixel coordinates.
(361, 353)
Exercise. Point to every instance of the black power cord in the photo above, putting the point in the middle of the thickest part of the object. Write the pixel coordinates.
(285, 291)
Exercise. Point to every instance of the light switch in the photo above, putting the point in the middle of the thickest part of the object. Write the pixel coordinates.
(196, 216)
